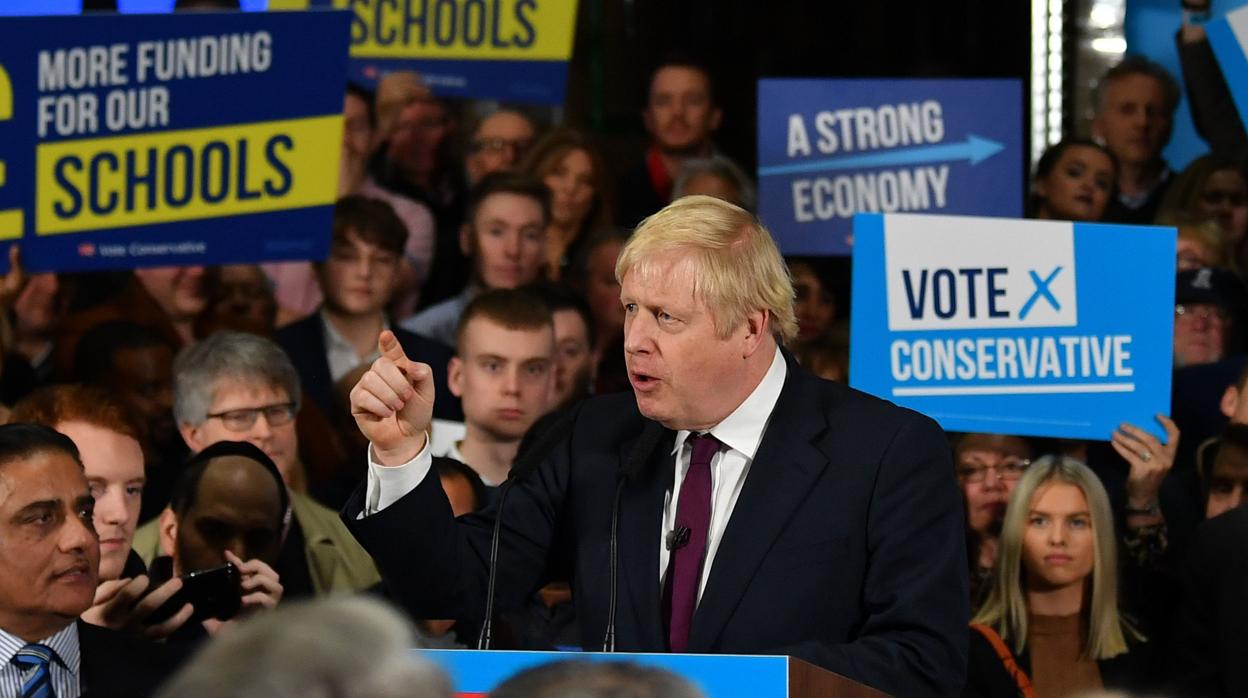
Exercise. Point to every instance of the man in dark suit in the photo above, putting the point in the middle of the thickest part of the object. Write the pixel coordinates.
(49, 559)
(357, 280)
(763, 510)
(1209, 646)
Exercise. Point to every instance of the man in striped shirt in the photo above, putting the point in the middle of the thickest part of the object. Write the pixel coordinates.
(49, 566)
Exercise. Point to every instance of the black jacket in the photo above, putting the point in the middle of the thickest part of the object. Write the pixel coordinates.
(304, 342)
(845, 547)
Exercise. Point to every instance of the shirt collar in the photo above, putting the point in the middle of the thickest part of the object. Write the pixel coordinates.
(335, 340)
(742, 430)
(64, 643)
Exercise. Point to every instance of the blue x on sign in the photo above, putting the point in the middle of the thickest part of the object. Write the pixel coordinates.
(1019, 327)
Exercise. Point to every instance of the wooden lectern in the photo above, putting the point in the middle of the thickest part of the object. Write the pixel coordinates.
(475, 673)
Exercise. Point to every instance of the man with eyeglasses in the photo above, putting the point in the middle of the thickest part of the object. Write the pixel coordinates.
(234, 386)
(498, 143)
(1205, 300)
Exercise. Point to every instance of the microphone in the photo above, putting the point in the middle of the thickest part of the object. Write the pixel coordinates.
(529, 461)
(678, 537)
(633, 466)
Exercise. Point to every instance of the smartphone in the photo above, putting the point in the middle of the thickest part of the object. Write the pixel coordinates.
(214, 593)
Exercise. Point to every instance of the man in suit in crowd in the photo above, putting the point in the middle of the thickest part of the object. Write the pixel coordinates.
(763, 510)
(49, 559)
(1209, 646)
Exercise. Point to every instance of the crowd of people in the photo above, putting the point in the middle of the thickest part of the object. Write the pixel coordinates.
(471, 304)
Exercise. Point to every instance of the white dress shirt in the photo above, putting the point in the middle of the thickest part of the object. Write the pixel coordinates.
(64, 674)
(340, 353)
(740, 432)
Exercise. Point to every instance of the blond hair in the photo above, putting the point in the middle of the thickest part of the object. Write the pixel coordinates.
(1005, 609)
(738, 267)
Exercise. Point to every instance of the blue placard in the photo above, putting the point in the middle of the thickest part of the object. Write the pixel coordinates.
(828, 149)
(476, 673)
(148, 140)
(1228, 36)
(1038, 328)
(510, 50)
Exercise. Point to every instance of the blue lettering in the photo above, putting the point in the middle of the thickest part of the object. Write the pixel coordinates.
(359, 28)
(970, 275)
(476, 23)
(530, 34)
(270, 153)
(994, 292)
(916, 307)
(383, 37)
(93, 184)
(418, 20)
(496, 22)
(173, 175)
(134, 179)
(440, 10)
(205, 170)
(950, 292)
(75, 197)
(243, 192)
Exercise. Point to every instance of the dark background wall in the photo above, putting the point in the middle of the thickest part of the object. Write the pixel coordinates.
(618, 40)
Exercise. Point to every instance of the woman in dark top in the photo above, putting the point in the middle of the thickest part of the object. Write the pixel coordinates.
(1051, 625)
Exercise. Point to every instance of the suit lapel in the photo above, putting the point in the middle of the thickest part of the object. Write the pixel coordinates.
(782, 474)
(641, 520)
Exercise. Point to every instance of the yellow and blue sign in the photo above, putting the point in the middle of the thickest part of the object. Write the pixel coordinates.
(1014, 327)
(831, 149)
(510, 50)
(152, 140)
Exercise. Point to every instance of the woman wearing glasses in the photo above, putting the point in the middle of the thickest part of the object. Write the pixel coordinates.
(1051, 624)
(988, 466)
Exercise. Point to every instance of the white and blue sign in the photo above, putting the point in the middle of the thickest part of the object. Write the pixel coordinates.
(1039, 328)
(1228, 36)
(830, 149)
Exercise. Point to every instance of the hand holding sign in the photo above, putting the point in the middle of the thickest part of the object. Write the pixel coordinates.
(393, 403)
(1150, 460)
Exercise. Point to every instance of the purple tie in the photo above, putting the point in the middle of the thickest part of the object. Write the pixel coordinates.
(688, 542)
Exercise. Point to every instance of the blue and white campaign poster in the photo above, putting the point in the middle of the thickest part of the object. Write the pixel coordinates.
(149, 140)
(1228, 36)
(1039, 328)
(830, 149)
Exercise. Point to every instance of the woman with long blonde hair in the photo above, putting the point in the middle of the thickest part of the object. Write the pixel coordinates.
(1051, 624)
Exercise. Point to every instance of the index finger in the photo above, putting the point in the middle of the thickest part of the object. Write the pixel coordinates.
(1172, 429)
(390, 348)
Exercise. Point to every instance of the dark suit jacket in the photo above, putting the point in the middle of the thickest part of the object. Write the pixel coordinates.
(845, 547)
(118, 664)
(1210, 641)
(304, 342)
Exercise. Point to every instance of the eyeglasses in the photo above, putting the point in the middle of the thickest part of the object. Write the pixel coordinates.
(497, 145)
(1209, 314)
(244, 419)
(1007, 469)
